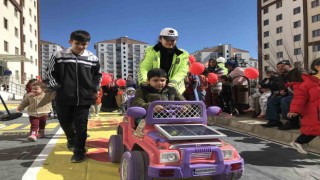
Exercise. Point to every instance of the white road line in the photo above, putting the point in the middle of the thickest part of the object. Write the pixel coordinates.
(32, 172)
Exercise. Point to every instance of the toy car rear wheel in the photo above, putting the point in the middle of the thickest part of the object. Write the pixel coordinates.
(115, 148)
(132, 166)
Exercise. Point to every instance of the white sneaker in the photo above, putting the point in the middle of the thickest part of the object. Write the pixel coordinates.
(298, 147)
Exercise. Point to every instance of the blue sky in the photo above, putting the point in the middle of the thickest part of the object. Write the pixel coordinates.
(200, 23)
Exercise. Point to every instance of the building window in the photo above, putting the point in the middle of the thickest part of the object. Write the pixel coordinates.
(266, 22)
(279, 17)
(296, 10)
(266, 45)
(316, 18)
(279, 30)
(5, 2)
(31, 59)
(6, 46)
(16, 32)
(297, 51)
(24, 38)
(266, 34)
(15, 12)
(279, 4)
(265, 10)
(36, 48)
(30, 27)
(35, 4)
(5, 23)
(31, 46)
(101, 45)
(315, 3)
(30, 12)
(280, 54)
(35, 33)
(297, 37)
(266, 57)
(316, 33)
(265, 1)
(35, 18)
(316, 48)
(297, 24)
(279, 42)
(16, 51)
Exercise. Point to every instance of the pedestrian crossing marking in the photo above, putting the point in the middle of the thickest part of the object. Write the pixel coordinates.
(12, 126)
(52, 125)
(27, 127)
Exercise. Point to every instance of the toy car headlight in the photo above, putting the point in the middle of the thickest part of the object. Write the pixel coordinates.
(166, 157)
(227, 154)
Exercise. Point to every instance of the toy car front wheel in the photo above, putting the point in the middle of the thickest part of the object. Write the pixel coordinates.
(115, 148)
(132, 166)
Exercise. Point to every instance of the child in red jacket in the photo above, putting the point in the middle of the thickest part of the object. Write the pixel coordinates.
(306, 95)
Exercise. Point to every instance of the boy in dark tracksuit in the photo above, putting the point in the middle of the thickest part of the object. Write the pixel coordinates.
(156, 89)
(74, 74)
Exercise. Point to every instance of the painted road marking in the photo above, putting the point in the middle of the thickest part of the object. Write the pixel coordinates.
(52, 125)
(27, 127)
(12, 126)
(97, 167)
(32, 172)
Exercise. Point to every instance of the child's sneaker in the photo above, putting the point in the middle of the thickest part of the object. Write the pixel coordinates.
(298, 147)
(32, 138)
(41, 134)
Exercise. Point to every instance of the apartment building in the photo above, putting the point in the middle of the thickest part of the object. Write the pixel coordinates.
(19, 40)
(120, 57)
(47, 49)
(224, 50)
(290, 30)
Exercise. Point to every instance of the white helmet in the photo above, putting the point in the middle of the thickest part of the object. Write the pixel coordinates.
(221, 60)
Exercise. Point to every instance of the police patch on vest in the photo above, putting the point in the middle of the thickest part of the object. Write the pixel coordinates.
(178, 61)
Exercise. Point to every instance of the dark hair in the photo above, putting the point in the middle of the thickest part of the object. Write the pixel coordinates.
(157, 72)
(212, 59)
(226, 78)
(80, 35)
(314, 63)
(28, 85)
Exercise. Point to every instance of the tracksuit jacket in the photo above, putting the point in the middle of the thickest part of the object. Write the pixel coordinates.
(75, 78)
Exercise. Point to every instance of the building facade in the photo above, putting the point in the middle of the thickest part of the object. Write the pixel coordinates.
(19, 40)
(288, 30)
(225, 50)
(47, 49)
(120, 57)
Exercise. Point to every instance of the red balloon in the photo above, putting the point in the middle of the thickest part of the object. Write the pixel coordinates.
(121, 82)
(212, 78)
(196, 68)
(251, 73)
(192, 59)
(106, 79)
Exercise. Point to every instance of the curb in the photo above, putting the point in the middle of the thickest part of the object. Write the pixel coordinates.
(252, 127)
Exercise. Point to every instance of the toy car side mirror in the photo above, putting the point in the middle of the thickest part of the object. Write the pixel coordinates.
(136, 112)
(213, 111)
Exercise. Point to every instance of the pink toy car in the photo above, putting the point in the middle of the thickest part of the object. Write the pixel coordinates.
(173, 143)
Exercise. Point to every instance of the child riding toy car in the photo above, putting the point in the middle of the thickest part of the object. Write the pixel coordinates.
(173, 143)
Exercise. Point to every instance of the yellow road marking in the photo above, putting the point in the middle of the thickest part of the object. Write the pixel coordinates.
(57, 166)
(52, 125)
(27, 127)
(12, 126)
